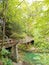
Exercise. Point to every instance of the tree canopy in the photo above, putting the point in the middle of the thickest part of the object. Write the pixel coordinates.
(31, 19)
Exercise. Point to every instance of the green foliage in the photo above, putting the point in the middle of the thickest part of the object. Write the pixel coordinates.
(7, 61)
(31, 19)
(4, 52)
(4, 57)
(8, 29)
(18, 36)
(22, 46)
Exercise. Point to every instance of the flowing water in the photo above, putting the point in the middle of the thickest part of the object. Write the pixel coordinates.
(36, 58)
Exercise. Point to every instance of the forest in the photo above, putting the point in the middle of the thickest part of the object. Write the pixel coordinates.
(24, 32)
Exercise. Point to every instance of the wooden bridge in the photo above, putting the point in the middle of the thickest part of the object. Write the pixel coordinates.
(11, 42)
(12, 45)
(8, 43)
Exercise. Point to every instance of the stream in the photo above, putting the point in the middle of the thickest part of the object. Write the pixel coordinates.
(36, 58)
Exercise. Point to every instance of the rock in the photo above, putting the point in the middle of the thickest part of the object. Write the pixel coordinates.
(1, 63)
(18, 63)
(33, 48)
(21, 63)
(25, 63)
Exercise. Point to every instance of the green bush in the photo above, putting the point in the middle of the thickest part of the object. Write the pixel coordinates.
(5, 60)
(5, 52)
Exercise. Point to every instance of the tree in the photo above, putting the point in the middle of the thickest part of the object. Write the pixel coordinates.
(31, 19)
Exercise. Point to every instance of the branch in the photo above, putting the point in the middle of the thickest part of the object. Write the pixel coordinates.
(19, 4)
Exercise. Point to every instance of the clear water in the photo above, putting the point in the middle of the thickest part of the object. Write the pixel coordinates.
(36, 58)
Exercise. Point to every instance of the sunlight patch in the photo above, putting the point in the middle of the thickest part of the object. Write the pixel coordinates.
(44, 8)
(31, 1)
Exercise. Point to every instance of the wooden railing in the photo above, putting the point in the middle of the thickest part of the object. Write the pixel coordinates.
(8, 43)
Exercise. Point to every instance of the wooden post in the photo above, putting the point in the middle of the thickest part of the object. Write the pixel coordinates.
(14, 53)
(17, 55)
